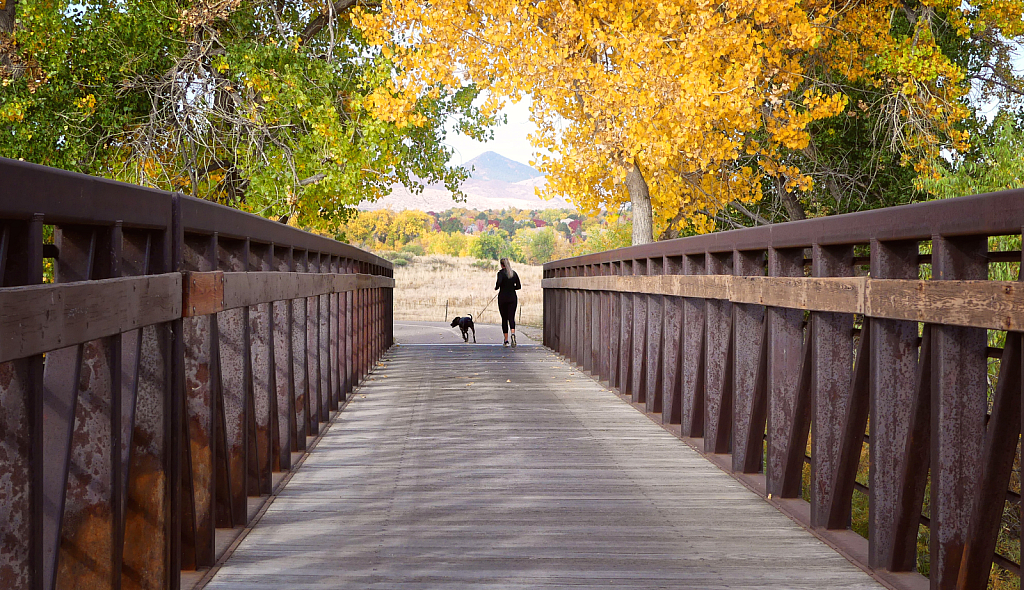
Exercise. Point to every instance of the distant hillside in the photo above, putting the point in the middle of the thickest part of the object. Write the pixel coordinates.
(497, 182)
(492, 166)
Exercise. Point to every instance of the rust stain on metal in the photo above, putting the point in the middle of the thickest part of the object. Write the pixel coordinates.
(202, 293)
(231, 326)
(86, 546)
(197, 404)
(15, 499)
(144, 566)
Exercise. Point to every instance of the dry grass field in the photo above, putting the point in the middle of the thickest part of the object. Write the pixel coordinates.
(423, 286)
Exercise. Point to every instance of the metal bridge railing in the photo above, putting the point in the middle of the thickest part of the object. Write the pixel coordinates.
(180, 356)
(776, 347)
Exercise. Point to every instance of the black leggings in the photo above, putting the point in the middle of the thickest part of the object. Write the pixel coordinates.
(507, 309)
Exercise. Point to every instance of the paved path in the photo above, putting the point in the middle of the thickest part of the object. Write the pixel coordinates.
(472, 466)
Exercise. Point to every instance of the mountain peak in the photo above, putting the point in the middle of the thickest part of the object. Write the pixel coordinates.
(494, 166)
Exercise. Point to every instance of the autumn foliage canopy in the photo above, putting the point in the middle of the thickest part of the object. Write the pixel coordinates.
(714, 103)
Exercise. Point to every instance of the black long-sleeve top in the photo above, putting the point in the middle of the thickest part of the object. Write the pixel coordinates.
(507, 287)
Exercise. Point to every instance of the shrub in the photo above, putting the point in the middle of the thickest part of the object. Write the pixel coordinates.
(414, 249)
(400, 262)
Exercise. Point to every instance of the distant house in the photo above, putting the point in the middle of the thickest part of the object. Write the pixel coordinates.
(540, 223)
(480, 224)
(574, 225)
(493, 223)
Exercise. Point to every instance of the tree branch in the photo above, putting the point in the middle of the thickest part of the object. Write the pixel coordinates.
(753, 216)
(998, 82)
(317, 24)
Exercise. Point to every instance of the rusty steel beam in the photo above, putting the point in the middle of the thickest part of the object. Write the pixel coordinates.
(747, 322)
(959, 382)
(893, 391)
(692, 387)
(831, 380)
(655, 346)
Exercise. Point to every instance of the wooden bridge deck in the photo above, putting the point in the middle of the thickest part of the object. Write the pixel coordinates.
(473, 466)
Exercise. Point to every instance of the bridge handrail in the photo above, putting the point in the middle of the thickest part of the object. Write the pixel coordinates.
(756, 345)
(182, 354)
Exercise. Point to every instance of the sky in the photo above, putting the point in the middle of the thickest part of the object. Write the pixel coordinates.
(510, 140)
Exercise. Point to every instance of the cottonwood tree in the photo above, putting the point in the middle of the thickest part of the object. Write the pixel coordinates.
(266, 105)
(687, 108)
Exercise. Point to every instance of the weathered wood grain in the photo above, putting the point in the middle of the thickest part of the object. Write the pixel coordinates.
(482, 467)
(996, 305)
(242, 289)
(41, 318)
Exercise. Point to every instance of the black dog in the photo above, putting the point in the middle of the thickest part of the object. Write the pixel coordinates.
(465, 324)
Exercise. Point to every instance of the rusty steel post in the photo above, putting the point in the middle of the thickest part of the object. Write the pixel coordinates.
(300, 378)
(671, 368)
(614, 331)
(234, 373)
(718, 353)
(785, 346)
(692, 387)
(261, 362)
(81, 398)
(893, 379)
(654, 344)
(626, 332)
(959, 407)
(21, 422)
(638, 348)
(747, 329)
(831, 378)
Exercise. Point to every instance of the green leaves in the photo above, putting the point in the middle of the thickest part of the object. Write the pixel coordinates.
(223, 101)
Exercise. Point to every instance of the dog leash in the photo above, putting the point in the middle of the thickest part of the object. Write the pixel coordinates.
(488, 303)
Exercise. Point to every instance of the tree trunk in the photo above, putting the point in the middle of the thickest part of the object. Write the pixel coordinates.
(7, 14)
(643, 215)
(789, 200)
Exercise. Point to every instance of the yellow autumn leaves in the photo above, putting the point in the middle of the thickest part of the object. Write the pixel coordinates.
(691, 91)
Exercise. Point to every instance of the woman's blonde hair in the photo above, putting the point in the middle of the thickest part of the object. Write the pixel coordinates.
(507, 266)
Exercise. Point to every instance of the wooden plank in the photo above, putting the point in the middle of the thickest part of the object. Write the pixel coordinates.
(996, 305)
(557, 486)
(41, 318)
(210, 292)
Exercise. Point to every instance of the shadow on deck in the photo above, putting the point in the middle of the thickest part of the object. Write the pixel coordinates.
(458, 466)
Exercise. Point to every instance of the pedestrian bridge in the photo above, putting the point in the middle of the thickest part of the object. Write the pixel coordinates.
(477, 466)
(195, 397)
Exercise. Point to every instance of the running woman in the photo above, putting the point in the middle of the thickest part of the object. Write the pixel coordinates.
(507, 285)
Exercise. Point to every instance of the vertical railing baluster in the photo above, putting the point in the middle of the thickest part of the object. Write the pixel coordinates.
(717, 358)
(959, 407)
(672, 353)
(21, 396)
(747, 330)
(655, 346)
(625, 332)
(831, 377)
(893, 382)
(638, 348)
(614, 329)
(692, 387)
(785, 358)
